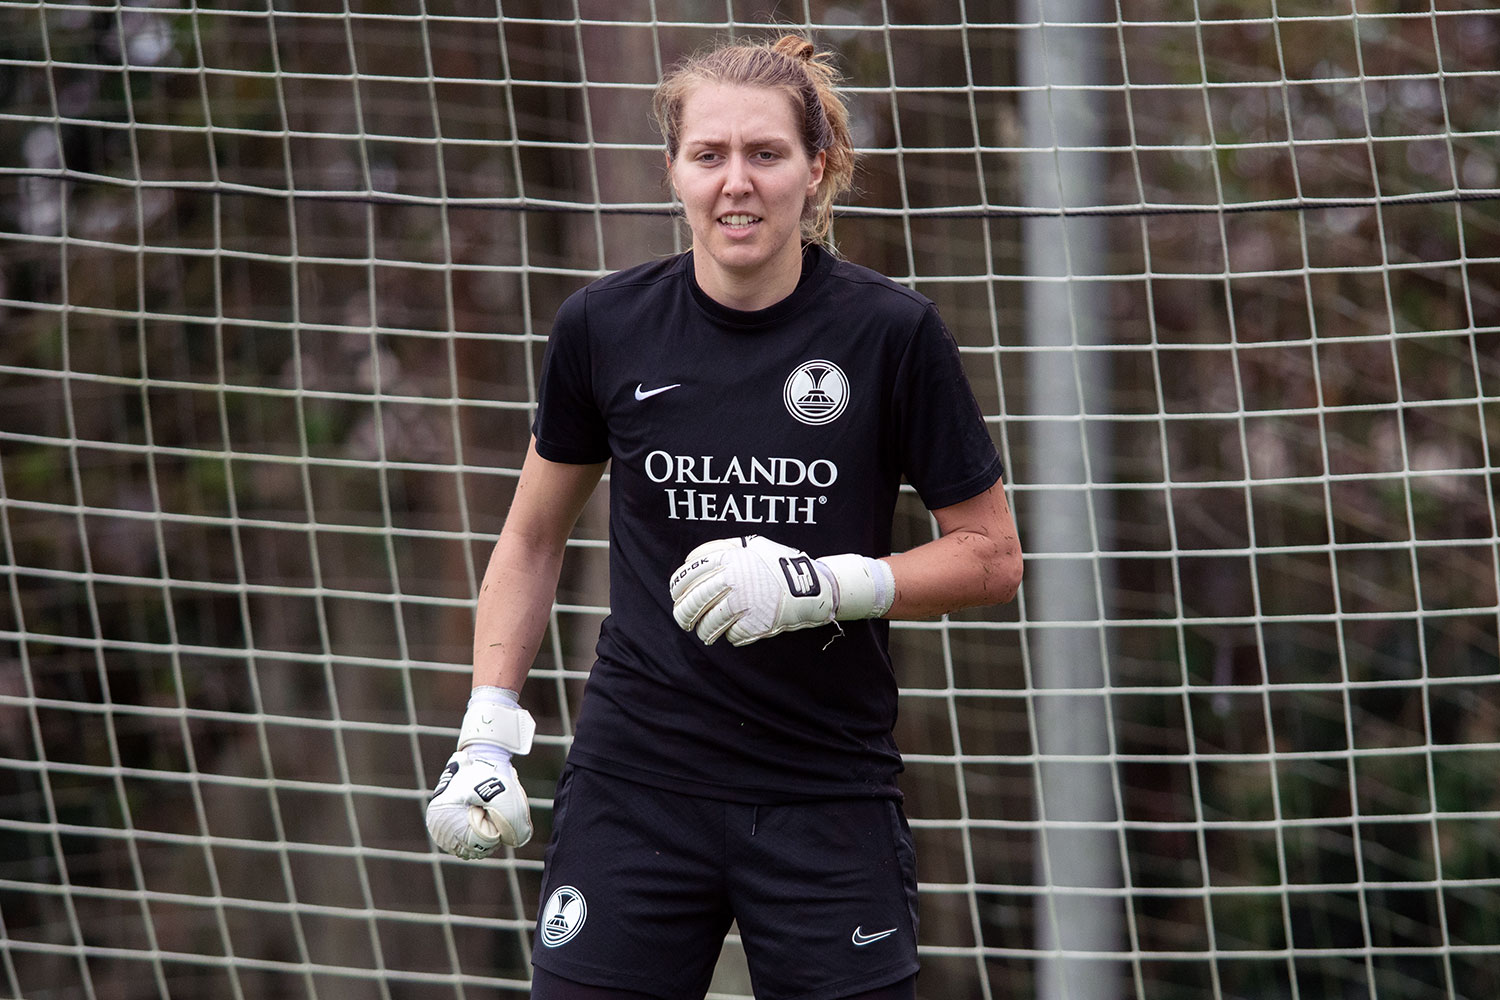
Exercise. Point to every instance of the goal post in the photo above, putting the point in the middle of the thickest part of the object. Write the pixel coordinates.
(275, 283)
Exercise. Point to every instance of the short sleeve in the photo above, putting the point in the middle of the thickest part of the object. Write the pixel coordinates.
(569, 425)
(946, 451)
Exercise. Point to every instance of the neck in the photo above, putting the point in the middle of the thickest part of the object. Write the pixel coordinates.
(750, 290)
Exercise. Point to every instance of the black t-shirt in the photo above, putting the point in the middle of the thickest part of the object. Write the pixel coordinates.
(796, 422)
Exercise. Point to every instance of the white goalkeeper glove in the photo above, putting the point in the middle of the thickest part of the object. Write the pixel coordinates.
(751, 588)
(479, 803)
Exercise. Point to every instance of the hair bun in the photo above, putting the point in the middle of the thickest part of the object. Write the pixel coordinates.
(796, 46)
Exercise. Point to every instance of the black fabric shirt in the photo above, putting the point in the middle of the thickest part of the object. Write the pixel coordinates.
(797, 422)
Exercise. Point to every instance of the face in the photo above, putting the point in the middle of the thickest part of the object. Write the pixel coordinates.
(743, 179)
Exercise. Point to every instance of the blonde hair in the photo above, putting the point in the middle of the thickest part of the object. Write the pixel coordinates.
(795, 66)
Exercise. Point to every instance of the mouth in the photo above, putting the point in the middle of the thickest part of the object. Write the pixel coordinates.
(738, 220)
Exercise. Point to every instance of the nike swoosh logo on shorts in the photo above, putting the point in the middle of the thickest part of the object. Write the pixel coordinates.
(860, 938)
(641, 392)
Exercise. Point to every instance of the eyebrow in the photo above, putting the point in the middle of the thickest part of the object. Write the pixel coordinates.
(712, 140)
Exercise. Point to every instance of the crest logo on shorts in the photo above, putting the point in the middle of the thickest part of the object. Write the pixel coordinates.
(816, 392)
(563, 916)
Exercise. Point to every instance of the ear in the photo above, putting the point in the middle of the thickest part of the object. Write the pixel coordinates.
(815, 171)
(670, 181)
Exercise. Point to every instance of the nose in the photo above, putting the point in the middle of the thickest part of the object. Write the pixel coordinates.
(737, 176)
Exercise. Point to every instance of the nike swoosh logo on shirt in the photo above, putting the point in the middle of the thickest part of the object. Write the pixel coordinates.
(860, 938)
(641, 392)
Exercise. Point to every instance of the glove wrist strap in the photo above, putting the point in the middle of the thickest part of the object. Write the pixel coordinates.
(865, 587)
(493, 718)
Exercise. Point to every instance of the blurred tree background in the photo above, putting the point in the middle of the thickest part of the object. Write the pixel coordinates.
(274, 287)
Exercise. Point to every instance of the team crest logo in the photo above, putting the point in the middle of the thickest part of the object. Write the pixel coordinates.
(563, 916)
(816, 392)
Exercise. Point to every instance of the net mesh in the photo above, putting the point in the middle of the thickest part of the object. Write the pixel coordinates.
(275, 282)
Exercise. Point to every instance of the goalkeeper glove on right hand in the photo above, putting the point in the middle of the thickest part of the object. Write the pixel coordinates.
(752, 588)
(479, 803)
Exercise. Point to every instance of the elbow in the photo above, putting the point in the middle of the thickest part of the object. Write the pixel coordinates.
(984, 538)
(995, 571)
(1005, 572)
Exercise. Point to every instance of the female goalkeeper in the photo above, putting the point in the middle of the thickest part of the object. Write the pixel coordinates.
(760, 400)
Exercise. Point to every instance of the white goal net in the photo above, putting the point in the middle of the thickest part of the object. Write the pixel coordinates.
(275, 281)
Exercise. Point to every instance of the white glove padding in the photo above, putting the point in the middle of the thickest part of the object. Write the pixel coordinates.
(752, 588)
(477, 806)
(479, 803)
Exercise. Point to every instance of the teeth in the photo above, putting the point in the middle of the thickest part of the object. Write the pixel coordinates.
(738, 220)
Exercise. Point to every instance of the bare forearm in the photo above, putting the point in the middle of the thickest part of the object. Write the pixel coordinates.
(511, 615)
(961, 570)
(975, 560)
(520, 581)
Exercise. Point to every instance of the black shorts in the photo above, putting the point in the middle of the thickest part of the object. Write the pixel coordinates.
(641, 885)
